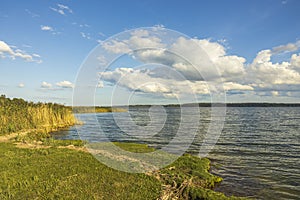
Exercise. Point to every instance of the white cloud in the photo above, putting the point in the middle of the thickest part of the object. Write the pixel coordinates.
(116, 46)
(36, 55)
(84, 25)
(236, 86)
(58, 11)
(204, 58)
(65, 84)
(274, 78)
(136, 80)
(46, 85)
(85, 35)
(147, 81)
(59, 85)
(264, 72)
(197, 65)
(158, 27)
(210, 59)
(100, 84)
(295, 62)
(64, 7)
(290, 47)
(139, 39)
(6, 50)
(49, 29)
(46, 28)
(101, 34)
(61, 9)
(102, 60)
(21, 85)
(26, 46)
(275, 93)
(33, 15)
(231, 66)
(142, 40)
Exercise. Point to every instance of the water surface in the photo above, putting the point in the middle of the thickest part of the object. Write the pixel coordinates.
(257, 154)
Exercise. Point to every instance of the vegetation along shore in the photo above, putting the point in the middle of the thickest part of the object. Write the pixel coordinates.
(35, 166)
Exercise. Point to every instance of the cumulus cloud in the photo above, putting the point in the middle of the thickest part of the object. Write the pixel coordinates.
(204, 66)
(141, 80)
(295, 62)
(194, 58)
(62, 9)
(6, 50)
(46, 85)
(139, 39)
(116, 46)
(210, 56)
(147, 81)
(264, 72)
(65, 84)
(275, 78)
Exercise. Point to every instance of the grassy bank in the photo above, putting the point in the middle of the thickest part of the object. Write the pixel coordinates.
(53, 170)
(35, 166)
(60, 173)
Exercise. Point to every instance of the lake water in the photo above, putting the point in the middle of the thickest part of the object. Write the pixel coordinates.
(257, 154)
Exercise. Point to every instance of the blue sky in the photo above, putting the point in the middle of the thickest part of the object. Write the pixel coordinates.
(44, 43)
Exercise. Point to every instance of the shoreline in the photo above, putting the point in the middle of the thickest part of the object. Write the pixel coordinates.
(167, 182)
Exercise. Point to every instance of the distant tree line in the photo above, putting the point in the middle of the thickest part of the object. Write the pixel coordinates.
(235, 105)
(17, 114)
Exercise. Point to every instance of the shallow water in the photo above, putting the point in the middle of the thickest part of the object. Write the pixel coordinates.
(257, 153)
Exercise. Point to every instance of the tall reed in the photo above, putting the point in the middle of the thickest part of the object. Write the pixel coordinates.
(18, 114)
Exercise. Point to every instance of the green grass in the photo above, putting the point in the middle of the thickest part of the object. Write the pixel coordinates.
(45, 138)
(134, 147)
(67, 174)
(57, 173)
(190, 178)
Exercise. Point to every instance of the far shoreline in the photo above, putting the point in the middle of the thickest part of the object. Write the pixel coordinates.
(124, 108)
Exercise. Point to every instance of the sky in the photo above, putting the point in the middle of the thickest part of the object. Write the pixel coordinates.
(255, 45)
